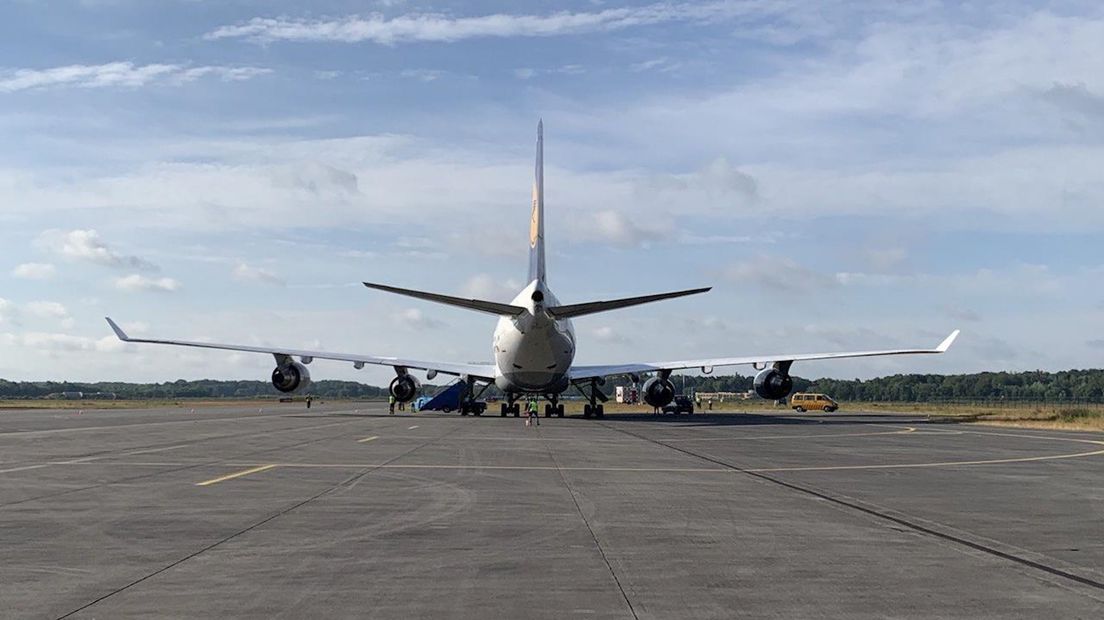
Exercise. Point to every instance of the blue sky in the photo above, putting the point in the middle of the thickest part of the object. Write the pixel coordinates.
(849, 175)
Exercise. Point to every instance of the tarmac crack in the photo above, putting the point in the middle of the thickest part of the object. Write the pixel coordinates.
(886, 515)
(347, 482)
(594, 536)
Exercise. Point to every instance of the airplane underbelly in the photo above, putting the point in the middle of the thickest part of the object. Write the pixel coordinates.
(537, 360)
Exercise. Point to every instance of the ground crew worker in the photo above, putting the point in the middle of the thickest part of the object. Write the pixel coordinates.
(532, 409)
(391, 404)
(308, 402)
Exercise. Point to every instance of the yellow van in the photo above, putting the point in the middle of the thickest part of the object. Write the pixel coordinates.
(802, 402)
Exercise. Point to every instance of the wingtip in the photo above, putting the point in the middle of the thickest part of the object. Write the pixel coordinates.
(947, 342)
(119, 333)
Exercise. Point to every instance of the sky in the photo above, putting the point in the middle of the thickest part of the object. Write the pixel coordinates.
(844, 174)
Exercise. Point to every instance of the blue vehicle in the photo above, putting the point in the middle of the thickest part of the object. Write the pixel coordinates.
(447, 400)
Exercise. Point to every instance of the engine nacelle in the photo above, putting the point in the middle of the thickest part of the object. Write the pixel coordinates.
(404, 388)
(291, 378)
(658, 392)
(773, 384)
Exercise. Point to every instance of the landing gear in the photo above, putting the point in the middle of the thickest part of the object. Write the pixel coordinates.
(469, 401)
(598, 411)
(594, 408)
(554, 407)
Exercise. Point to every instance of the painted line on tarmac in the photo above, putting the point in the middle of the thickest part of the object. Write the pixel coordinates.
(1025, 459)
(907, 430)
(367, 439)
(412, 427)
(253, 470)
(275, 415)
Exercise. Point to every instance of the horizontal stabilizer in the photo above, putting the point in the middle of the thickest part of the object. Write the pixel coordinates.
(592, 307)
(480, 305)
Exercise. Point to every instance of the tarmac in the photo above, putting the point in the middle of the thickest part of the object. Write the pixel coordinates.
(343, 511)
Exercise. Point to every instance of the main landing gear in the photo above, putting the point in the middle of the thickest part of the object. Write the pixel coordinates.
(510, 407)
(553, 408)
(594, 408)
(470, 403)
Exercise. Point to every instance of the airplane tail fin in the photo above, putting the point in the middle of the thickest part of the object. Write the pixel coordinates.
(490, 307)
(594, 307)
(536, 219)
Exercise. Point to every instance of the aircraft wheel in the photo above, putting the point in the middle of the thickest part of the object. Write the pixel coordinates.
(586, 411)
(600, 411)
(503, 410)
(559, 411)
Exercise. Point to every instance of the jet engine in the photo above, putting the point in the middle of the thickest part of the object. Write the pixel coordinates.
(658, 392)
(404, 388)
(291, 378)
(773, 384)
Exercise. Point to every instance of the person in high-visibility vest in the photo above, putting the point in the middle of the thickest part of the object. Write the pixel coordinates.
(532, 409)
(391, 404)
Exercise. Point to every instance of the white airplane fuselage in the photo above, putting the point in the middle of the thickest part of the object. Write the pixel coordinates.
(533, 351)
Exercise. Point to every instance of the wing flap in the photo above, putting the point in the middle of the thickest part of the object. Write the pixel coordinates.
(479, 371)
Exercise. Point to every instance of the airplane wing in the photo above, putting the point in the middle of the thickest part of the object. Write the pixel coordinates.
(578, 373)
(478, 371)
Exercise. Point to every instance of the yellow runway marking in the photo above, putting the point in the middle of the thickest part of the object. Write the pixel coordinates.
(239, 474)
(367, 439)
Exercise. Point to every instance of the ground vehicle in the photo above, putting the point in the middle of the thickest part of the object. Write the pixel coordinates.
(802, 402)
(681, 404)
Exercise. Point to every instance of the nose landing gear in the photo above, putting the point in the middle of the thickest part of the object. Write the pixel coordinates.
(554, 407)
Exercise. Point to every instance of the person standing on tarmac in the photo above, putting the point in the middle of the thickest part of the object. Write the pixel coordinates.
(531, 407)
(391, 404)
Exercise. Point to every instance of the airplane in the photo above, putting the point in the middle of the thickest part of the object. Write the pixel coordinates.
(534, 345)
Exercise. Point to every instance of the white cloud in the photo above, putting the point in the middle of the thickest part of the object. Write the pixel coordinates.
(414, 318)
(663, 65)
(46, 309)
(50, 310)
(87, 245)
(605, 333)
(121, 74)
(614, 227)
(35, 271)
(779, 274)
(136, 283)
(436, 27)
(6, 310)
(55, 342)
(247, 273)
(422, 75)
(484, 286)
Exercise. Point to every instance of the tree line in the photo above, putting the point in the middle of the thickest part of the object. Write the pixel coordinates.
(1036, 386)
(206, 388)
